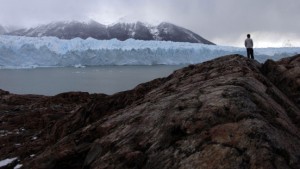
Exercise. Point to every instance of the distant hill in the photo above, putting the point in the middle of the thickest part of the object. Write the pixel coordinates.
(122, 31)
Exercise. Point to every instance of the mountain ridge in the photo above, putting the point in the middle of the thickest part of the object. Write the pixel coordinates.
(141, 31)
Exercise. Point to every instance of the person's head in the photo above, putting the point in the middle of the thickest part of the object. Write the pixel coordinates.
(248, 36)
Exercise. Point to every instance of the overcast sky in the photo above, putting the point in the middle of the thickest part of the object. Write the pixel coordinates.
(225, 22)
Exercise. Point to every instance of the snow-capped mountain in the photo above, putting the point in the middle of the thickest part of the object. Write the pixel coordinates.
(66, 30)
(121, 31)
(2, 30)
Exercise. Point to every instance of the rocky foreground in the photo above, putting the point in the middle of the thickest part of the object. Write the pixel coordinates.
(228, 113)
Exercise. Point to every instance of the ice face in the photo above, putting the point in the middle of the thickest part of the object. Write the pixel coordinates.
(29, 52)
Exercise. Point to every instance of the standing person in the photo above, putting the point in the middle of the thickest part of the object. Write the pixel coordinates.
(249, 46)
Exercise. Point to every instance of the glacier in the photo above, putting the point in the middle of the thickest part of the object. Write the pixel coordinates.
(30, 52)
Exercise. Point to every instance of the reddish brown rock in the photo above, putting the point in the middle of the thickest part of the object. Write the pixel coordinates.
(226, 113)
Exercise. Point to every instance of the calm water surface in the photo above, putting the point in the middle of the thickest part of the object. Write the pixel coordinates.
(103, 79)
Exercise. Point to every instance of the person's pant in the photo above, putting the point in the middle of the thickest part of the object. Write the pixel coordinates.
(250, 53)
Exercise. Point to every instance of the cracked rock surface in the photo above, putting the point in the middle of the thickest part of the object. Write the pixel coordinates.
(229, 112)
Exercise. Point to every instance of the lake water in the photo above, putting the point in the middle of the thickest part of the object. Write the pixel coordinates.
(102, 79)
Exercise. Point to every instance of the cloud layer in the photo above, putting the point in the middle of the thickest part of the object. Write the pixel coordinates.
(222, 21)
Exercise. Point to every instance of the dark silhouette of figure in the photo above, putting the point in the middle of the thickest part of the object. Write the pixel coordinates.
(249, 46)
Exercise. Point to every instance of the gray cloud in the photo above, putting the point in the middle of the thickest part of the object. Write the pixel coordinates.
(222, 21)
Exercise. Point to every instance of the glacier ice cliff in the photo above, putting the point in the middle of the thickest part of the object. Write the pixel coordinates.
(30, 52)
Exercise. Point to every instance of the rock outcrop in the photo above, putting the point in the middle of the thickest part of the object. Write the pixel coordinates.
(230, 112)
